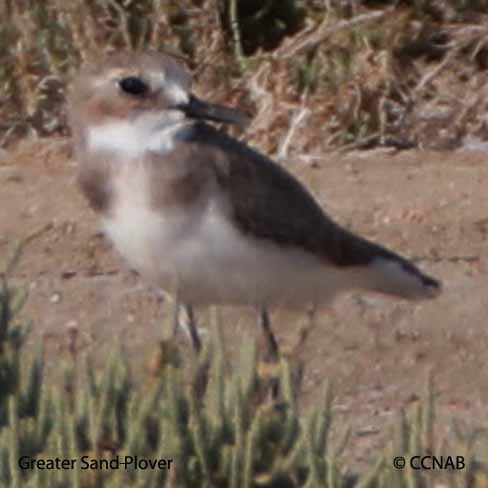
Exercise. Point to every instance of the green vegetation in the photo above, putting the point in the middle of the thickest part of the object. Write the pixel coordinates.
(214, 425)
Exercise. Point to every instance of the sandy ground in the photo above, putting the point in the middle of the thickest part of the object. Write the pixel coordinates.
(377, 351)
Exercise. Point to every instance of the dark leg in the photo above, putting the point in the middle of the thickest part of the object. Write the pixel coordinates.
(270, 356)
(192, 327)
(272, 351)
(176, 318)
(184, 318)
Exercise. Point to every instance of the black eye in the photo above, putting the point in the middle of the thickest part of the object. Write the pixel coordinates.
(133, 86)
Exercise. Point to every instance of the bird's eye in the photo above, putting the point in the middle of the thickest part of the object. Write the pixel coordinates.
(133, 86)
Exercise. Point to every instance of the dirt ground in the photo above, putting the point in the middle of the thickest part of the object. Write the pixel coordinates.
(377, 351)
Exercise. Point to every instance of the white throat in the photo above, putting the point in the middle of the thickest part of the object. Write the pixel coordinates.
(133, 138)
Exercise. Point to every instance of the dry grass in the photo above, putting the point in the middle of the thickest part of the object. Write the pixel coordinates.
(403, 74)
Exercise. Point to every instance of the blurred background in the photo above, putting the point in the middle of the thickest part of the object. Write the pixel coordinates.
(405, 73)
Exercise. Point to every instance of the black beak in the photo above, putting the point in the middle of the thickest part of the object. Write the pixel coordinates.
(198, 109)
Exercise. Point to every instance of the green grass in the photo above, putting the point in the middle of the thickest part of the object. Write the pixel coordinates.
(217, 422)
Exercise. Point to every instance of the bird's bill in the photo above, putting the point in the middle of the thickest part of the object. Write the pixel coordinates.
(199, 109)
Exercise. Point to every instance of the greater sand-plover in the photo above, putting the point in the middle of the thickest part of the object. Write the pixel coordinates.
(202, 215)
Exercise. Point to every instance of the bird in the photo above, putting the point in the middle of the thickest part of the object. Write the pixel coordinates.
(204, 216)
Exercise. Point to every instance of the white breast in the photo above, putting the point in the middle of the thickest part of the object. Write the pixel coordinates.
(198, 251)
(196, 248)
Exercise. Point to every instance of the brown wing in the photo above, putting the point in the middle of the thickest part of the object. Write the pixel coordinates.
(270, 203)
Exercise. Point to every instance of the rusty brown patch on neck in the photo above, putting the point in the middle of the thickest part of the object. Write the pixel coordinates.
(94, 180)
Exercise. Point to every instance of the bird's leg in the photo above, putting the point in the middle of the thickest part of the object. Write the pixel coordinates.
(186, 320)
(176, 317)
(272, 352)
(192, 327)
(270, 356)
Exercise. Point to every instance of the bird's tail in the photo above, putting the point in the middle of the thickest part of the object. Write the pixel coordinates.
(379, 269)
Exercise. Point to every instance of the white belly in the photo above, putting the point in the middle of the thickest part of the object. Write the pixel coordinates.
(208, 261)
(195, 251)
